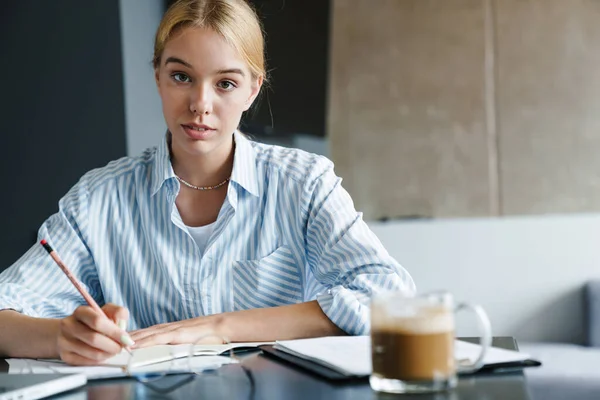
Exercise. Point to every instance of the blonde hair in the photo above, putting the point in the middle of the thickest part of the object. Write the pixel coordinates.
(234, 20)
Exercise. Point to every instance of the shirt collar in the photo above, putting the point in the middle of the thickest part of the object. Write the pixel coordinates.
(244, 165)
(162, 166)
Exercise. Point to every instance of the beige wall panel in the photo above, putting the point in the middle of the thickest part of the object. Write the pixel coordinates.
(406, 106)
(548, 91)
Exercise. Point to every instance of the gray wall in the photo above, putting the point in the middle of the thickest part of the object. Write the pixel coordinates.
(145, 124)
(462, 108)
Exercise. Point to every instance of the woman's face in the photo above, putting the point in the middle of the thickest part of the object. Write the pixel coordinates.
(205, 86)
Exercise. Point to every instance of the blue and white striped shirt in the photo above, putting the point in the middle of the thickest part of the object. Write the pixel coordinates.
(286, 233)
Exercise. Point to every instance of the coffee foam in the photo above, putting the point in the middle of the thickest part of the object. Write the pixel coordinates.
(424, 322)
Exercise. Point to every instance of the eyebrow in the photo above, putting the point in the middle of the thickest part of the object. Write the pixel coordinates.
(178, 61)
(231, 71)
(219, 72)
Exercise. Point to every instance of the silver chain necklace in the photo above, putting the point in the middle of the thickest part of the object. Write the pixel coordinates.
(202, 187)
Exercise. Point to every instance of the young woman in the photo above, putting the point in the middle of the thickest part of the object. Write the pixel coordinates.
(207, 233)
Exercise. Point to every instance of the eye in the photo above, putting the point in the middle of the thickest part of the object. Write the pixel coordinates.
(180, 77)
(226, 85)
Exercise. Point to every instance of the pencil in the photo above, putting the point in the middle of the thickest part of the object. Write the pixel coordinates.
(125, 339)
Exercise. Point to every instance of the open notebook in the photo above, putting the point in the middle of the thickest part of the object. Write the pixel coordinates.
(162, 353)
(164, 358)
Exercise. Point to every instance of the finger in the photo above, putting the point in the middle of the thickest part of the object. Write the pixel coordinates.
(118, 314)
(83, 333)
(101, 324)
(91, 355)
(141, 334)
(153, 330)
(77, 359)
(165, 337)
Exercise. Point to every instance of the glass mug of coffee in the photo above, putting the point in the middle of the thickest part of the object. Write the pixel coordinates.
(412, 342)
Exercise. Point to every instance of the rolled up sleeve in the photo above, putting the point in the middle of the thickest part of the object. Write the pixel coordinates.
(347, 261)
(34, 285)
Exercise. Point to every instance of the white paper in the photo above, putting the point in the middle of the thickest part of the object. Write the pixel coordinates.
(351, 355)
(494, 355)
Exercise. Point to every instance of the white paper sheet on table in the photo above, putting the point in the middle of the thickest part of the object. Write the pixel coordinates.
(351, 355)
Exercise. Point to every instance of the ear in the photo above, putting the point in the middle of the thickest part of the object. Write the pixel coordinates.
(156, 76)
(256, 85)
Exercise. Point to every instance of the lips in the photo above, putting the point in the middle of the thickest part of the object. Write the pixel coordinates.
(198, 127)
(198, 131)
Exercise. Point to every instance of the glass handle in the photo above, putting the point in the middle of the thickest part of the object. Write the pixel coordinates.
(485, 339)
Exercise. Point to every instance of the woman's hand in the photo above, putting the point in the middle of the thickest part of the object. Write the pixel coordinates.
(180, 332)
(88, 337)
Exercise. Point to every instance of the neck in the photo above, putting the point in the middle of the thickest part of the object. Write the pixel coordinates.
(206, 169)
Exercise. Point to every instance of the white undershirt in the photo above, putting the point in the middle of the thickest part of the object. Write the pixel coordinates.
(200, 234)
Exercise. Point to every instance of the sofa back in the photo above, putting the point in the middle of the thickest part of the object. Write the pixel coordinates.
(592, 313)
(529, 273)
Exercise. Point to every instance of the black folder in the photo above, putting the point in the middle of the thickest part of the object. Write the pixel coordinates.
(331, 374)
(308, 365)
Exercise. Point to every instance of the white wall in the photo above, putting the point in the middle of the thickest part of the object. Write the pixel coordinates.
(145, 124)
(526, 272)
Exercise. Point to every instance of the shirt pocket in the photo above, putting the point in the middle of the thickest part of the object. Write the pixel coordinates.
(271, 281)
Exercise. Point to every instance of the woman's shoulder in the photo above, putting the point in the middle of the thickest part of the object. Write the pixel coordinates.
(294, 163)
(123, 170)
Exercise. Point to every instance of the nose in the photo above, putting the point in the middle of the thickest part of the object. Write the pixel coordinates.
(201, 101)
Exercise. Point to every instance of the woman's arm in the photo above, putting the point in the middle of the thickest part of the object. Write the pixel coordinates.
(277, 323)
(257, 325)
(347, 261)
(27, 337)
(34, 285)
